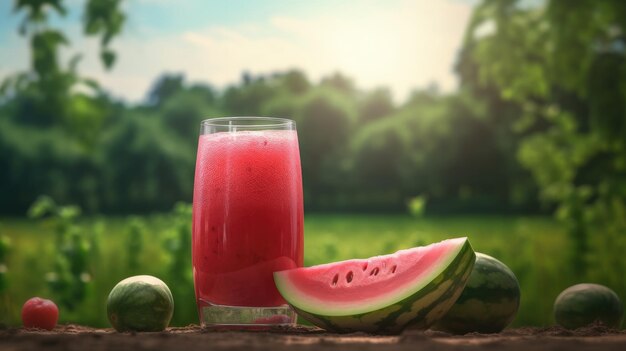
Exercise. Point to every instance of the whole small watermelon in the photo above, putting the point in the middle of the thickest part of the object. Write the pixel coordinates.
(582, 304)
(489, 301)
(140, 303)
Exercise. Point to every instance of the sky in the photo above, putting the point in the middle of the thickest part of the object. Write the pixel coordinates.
(399, 44)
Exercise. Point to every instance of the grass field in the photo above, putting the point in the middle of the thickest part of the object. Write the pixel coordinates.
(532, 247)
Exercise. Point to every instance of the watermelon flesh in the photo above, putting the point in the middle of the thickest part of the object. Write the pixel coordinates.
(383, 293)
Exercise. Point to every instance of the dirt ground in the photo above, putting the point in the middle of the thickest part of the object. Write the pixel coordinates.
(73, 337)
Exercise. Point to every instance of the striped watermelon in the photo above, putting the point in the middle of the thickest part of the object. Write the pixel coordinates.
(583, 304)
(489, 302)
(140, 303)
(382, 294)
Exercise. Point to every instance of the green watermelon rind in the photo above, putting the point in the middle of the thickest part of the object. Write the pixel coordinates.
(141, 303)
(489, 302)
(583, 304)
(420, 309)
(310, 304)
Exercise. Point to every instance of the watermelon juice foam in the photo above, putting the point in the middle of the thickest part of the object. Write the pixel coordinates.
(247, 219)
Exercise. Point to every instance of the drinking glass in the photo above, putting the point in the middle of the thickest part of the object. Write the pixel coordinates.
(247, 219)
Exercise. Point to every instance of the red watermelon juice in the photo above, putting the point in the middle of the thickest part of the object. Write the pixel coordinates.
(247, 223)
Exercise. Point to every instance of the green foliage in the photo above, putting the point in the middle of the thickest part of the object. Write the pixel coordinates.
(177, 245)
(247, 99)
(165, 87)
(62, 135)
(37, 12)
(184, 111)
(5, 247)
(295, 82)
(48, 96)
(328, 119)
(3, 278)
(521, 243)
(69, 278)
(550, 101)
(45, 46)
(563, 66)
(384, 158)
(126, 160)
(134, 244)
(375, 105)
(104, 18)
(417, 206)
(179, 242)
(143, 167)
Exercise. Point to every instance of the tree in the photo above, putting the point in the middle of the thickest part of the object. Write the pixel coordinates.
(247, 99)
(326, 119)
(563, 66)
(166, 86)
(45, 95)
(375, 105)
(184, 112)
(295, 82)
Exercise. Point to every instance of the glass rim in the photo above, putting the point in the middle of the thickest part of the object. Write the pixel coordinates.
(225, 122)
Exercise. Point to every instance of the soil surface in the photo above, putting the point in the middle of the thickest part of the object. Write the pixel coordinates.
(192, 338)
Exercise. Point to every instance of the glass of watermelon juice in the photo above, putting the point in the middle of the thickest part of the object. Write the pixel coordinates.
(247, 219)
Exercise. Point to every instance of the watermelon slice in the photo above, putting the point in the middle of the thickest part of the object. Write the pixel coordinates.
(382, 294)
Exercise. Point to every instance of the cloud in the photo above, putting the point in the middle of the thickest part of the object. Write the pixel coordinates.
(401, 45)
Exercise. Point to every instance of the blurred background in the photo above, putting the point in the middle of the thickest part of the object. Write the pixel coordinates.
(418, 120)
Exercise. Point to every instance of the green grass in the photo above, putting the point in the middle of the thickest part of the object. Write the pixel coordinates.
(534, 248)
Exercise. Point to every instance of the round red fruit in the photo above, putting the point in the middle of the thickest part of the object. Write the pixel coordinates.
(40, 313)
